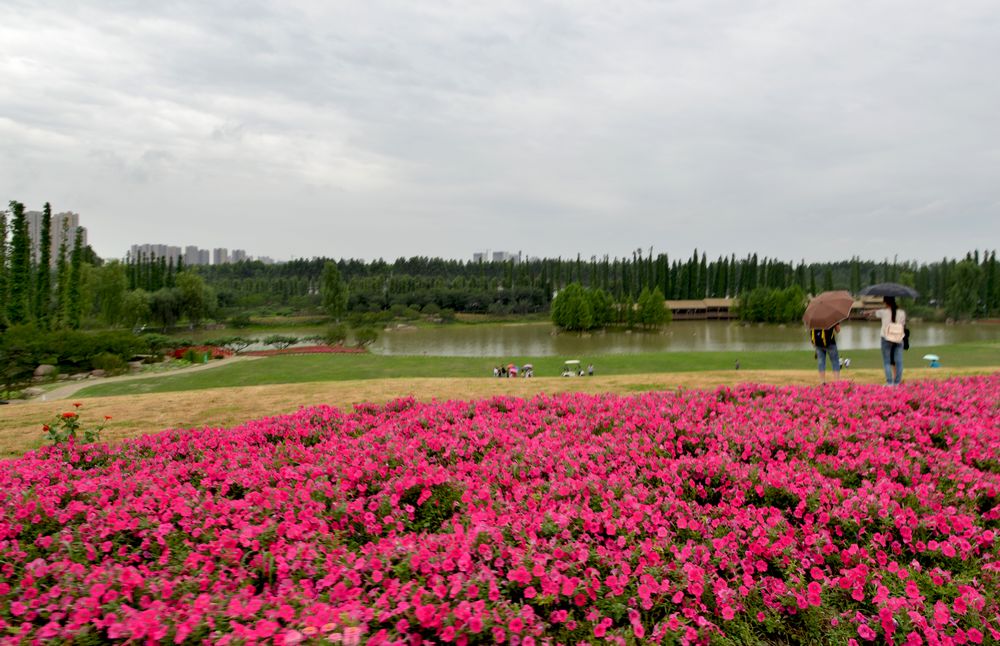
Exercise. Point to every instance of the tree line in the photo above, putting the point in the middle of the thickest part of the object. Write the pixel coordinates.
(964, 288)
(146, 290)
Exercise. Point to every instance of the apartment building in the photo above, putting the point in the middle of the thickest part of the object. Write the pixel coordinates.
(63, 229)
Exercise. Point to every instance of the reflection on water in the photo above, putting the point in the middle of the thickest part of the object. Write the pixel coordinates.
(541, 339)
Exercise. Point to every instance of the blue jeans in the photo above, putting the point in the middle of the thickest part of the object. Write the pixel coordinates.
(834, 357)
(892, 353)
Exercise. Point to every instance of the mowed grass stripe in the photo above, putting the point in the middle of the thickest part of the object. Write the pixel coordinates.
(291, 369)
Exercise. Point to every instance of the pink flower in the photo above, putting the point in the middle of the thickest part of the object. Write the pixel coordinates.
(865, 632)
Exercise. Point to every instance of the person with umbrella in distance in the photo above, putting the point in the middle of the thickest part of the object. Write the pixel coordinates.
(823, 316)
(893, 327)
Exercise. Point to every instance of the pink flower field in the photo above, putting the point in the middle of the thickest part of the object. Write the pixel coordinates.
(756, 514)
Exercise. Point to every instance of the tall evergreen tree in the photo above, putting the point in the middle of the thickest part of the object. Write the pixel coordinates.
(19, 288)
(3, 270)
(43, 286)
(334, 292)
(74, 301)
(62, 281)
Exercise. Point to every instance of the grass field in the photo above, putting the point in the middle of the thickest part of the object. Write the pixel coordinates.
(232, 393)
(291, 369)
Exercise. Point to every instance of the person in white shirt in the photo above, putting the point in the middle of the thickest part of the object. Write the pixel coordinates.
(893, 326)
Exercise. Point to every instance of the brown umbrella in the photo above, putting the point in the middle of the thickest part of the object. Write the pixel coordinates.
(828, 309)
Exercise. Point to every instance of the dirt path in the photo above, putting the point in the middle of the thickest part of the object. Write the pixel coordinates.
(62, 392)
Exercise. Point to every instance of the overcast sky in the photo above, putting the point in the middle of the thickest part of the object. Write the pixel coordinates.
(796, 129)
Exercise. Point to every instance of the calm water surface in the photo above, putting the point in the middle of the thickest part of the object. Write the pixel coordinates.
(541, 339)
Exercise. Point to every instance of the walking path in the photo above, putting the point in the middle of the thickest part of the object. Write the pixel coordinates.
(68, 390)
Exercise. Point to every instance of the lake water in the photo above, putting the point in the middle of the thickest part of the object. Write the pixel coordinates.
(541, 339)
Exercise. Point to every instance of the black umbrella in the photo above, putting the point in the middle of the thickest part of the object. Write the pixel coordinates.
(889, 289)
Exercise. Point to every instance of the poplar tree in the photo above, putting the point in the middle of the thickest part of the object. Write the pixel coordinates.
(334, 292)
(62, 280)
(19, 288)
(3, 269)
(74, 303)
(43, 286)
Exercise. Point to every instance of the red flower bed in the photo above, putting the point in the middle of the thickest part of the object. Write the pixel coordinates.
(837, 515)
(308, 349)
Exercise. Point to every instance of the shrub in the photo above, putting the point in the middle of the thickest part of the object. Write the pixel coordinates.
(109, 363)
(335, 334)
(281, 341)
(240, 321)
(365, 336)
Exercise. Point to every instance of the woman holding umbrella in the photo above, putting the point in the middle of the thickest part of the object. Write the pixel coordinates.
(893, 327)
(893, 330)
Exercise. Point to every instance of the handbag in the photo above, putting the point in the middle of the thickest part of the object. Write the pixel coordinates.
(895, 333)
(906, 338)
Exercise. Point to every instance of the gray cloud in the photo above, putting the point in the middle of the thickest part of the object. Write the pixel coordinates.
(794, 129)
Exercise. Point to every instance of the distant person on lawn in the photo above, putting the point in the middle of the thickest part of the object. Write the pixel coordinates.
(825, 343)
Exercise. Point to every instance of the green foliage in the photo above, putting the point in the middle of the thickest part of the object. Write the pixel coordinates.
(571, 308)
(196, 300)
(43, 287)
(157, 343)
(19, 275)
(18, 357)
(764, 305)
(334, 291)
(23, 347)
(165, 306)
(112, 364)
(62, 281)
(652, 311)
(109, 287)
(67, 428)
(602, 308)
(335, 334)
(240, 321)
(280, 341)
(3, 270)
(135, 309)
(963, 295)
(74, 301)
(365, 336)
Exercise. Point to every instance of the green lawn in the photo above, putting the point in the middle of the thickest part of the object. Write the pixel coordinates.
(341, 367)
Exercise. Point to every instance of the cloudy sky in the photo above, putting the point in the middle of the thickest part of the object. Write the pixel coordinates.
(798, 129)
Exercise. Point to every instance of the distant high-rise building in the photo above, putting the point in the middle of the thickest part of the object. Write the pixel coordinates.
(238, 255)
(63, 227)
(191, 255)
(503, 256)
(481, 256)
(157, 251)
(220, 256)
